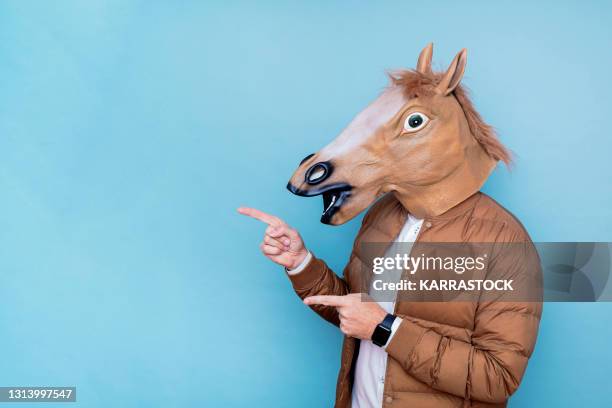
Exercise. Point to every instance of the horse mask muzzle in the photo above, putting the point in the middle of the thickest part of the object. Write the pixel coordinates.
(334, 194)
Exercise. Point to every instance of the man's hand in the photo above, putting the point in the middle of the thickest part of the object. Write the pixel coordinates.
(281, 244)
(357, 318)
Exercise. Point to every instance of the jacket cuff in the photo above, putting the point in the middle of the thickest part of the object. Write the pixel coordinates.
(396, 324)
(404, 340)
(301, 266)
(308, 276)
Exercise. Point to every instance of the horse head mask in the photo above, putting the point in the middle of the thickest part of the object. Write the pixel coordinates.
(421, 139)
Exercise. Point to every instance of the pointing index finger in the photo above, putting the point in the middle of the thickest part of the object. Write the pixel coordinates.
(259, 215)
(326, 300)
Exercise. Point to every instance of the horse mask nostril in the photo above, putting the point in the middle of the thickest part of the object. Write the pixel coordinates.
(318, 172)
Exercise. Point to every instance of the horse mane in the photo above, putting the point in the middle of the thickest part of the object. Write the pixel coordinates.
(416, 83)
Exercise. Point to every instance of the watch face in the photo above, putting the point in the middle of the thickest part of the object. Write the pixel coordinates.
(381, 335)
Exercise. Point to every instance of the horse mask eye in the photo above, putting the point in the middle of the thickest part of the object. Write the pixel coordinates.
(415, 121)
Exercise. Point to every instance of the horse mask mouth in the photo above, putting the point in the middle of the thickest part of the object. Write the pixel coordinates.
(334, 195)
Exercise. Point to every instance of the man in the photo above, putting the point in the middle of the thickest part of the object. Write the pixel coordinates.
(421, 152)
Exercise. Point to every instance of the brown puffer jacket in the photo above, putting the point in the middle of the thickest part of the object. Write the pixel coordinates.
(444, 354)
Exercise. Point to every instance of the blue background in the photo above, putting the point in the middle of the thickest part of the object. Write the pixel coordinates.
(131, 130)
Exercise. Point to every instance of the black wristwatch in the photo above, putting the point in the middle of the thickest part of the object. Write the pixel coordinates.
(383, 331)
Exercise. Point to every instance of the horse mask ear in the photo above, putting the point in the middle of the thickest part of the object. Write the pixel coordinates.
(453, 75)
(424, 62)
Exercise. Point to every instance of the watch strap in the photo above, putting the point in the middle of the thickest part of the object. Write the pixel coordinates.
(387, 322)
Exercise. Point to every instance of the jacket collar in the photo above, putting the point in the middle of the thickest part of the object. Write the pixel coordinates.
(462, 208)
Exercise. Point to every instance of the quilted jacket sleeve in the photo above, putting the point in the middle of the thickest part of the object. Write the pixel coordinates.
(489, 366)
(318, 279)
